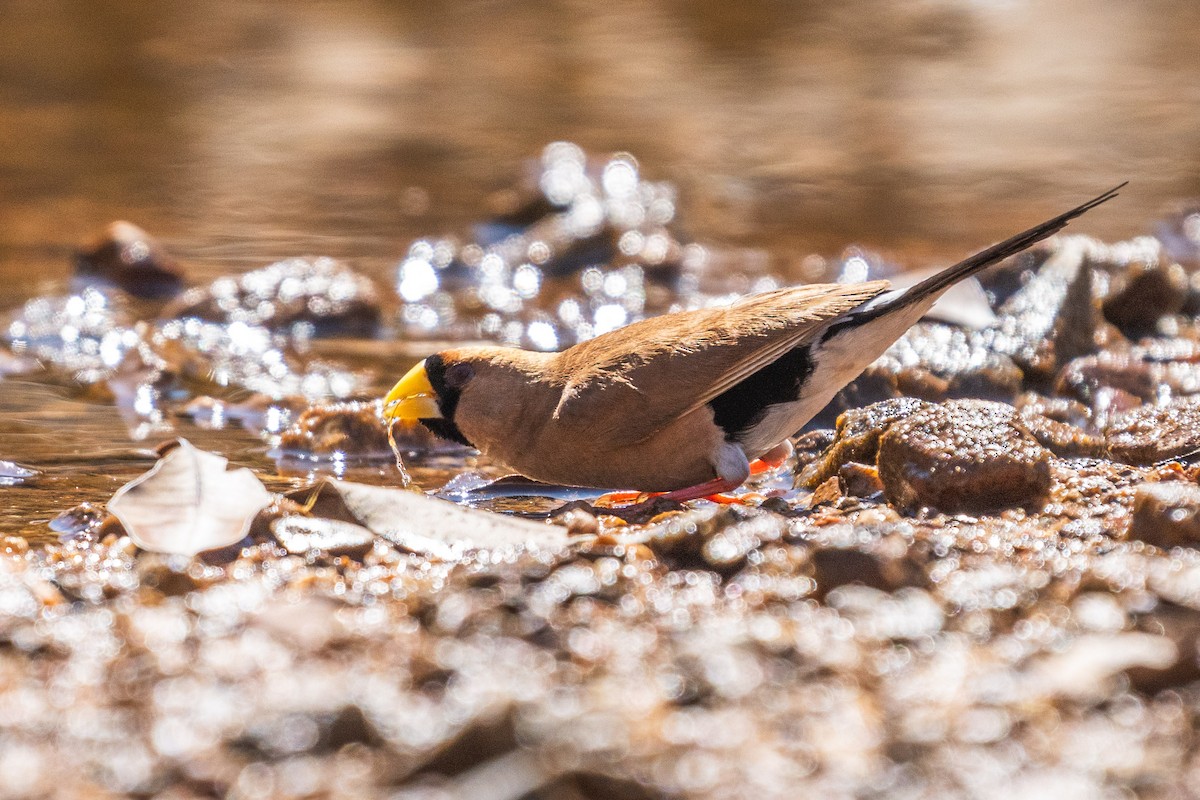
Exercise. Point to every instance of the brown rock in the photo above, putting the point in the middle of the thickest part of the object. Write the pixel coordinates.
(810, 445)
(1053, 318)
(835, 566)
(1165, 367)
(1061, 438)
(353, 429)
(860, 480)
(1150, 434)
(125, 256)
(1145, 294)
(858, 433)
(1182, 626)
(1166, 514)
(962, 456)
(829, 492)
(322, 295)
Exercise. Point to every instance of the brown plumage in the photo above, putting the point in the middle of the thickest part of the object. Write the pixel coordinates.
(680, 401)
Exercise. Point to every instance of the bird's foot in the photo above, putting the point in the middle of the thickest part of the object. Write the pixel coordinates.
(715, 491)
(773, 458)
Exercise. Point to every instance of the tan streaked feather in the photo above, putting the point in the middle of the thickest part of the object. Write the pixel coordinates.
(620, 388)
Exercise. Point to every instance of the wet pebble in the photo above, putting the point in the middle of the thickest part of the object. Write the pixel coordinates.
(587, 249)
(938, 362)
(1150, 434)
(258, 413)
(1166, 514)
(860, 480)
(1052, 318)
(1144, 294)
(126, 257)
(857, 438)
(962, 456)
(1063, 439)
(1153, 372)
(353, 430)
(304, 296)
(86, 333)
(84, 520)
(828, 492)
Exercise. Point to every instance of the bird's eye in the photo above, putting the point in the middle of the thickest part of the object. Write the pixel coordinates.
(457, 375)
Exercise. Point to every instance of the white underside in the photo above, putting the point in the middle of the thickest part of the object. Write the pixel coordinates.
(838, 361)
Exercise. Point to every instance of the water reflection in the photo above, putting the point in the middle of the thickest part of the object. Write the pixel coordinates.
(246, 134)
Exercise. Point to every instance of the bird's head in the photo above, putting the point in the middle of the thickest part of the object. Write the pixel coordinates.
(430, 392)
(471, 389)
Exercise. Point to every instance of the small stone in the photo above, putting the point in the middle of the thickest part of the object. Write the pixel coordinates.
(1052, 319)
(354, 433)
(579, 521)
(343, 430)
(1152, 372)
(828, 493)
(962, 456)
(835, 566)
(1166, 514)
(858, 434)
(166, 573)
(808, 446)
(1150, 434)
(860, 480)
(84, 520)
(1145, 294)
(1061, 438)
(126, 257)
(320, 296)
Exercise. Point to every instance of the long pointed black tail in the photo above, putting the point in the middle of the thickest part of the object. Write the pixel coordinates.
(997, 252)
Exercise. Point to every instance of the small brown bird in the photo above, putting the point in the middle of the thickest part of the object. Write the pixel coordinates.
(683, 402)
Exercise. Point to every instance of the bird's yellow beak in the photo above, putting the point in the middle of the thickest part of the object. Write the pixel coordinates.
(412, 397)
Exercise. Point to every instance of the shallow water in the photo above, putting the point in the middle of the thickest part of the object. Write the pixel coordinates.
(244, 133)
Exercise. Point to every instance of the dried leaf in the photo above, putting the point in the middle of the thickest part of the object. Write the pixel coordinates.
(300, 535)
(189, 502)
(436, 528)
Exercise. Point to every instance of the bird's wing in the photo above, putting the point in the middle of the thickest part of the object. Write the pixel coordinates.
(625, 386)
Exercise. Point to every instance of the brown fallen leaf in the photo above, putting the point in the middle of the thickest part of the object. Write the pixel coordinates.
(189, 502)
(431, 527)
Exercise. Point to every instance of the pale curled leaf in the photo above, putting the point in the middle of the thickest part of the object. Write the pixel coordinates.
(437, 528)
(300, 535)
(189, 502)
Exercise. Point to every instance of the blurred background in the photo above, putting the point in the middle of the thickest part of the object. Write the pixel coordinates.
(242, 132)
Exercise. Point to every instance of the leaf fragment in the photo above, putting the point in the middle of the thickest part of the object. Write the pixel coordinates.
(435, 528)
(189, 502)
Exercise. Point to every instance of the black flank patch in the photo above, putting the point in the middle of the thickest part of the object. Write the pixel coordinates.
(447, 400)
(743, 405)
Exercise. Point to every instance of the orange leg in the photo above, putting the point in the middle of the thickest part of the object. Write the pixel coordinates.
(714, 490)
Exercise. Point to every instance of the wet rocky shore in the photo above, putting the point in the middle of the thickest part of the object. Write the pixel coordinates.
(978, 576)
